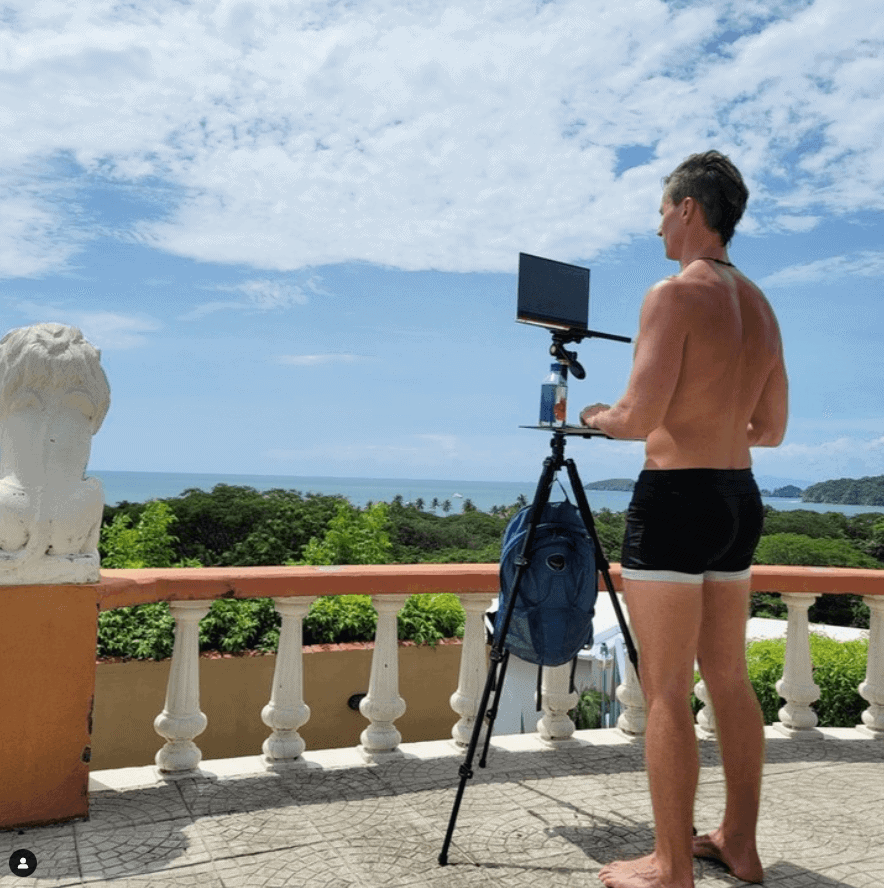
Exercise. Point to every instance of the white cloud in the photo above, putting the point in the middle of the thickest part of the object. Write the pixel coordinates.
(435, 136)
(315, 360)
(106, 330)
(842, 457)
(797, 223)
(868, 263)
(33, 238)
(260, 295)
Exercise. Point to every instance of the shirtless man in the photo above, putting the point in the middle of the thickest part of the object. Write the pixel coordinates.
(708, 382)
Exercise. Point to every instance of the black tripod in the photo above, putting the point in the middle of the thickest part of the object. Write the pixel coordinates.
(499, 655)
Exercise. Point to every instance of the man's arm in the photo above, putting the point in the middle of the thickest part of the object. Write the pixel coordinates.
(656, 366)
(767, 427)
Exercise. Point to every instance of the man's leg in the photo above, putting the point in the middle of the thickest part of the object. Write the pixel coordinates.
(740, 726)
(666, 619)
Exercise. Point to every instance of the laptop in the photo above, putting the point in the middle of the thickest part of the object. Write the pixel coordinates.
(553, 294)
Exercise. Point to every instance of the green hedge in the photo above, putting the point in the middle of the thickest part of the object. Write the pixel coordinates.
(839, 668)
(146, 632)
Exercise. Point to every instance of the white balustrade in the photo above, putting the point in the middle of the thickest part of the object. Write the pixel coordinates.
(706, 715)
(287, 711)
(181, 719)
(383, 705)
(473, 670)
(556, 699)
(872, 689)
(797, 687)
(633, 720)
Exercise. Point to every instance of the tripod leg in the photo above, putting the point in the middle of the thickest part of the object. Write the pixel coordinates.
(466, 769)
(601, 560)
(491, 715)
(499, 656)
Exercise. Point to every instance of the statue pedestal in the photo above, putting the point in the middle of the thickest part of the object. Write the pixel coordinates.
(47, 636)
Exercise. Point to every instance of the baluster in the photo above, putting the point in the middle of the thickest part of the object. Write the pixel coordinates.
(797, 686)
(383, 705)
(872, 689)
(555, 727)
(633, 718)
(181, 720)
(287, 711)
(473, 668)
(706, 716)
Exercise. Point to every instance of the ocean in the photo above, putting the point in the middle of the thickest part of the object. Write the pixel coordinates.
(139, 487)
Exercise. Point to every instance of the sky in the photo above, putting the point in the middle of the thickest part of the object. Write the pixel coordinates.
(293, 228)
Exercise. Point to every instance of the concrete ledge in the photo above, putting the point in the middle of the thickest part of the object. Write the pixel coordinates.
(122, 779)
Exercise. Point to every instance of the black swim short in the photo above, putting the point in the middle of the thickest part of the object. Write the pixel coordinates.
(687, 525)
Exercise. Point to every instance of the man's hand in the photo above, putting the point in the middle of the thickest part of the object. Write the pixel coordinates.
(588, 413)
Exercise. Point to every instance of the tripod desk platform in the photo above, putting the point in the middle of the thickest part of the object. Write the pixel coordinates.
(580, 431)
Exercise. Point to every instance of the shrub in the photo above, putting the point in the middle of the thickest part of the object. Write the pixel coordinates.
(839, 667)
(144, 632)
(232, 626)
(147, 631)
(426, 619)
(340, 619)
(587, 714)
(765, 660)
(797, 548)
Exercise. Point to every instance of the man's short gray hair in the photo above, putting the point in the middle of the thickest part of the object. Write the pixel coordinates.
(716, 184)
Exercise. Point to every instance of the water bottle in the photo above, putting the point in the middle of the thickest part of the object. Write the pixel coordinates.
(554, 397)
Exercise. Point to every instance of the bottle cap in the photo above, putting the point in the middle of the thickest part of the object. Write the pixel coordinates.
(556, 366)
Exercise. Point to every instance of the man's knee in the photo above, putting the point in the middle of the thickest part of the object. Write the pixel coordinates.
(723, 676)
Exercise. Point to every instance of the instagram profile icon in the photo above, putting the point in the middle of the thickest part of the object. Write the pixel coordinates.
(23, 862)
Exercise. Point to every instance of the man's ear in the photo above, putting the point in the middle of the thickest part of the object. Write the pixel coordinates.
(687, 209)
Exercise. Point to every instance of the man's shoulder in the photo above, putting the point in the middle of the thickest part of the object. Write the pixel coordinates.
(670, 294)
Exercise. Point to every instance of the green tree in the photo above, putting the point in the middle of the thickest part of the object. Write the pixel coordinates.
(242, 526)
(812, 524)
(144, 631)
(353, 537)
(148, 544)
(796, 548)
(874, 545)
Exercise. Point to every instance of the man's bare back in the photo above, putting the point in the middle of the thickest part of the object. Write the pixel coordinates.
(731, 349)
(708, 379)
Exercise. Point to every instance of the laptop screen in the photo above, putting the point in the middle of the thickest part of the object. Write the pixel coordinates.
(553, 294)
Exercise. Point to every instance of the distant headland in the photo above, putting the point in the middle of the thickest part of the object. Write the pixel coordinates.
(611, 484)
(867, 491)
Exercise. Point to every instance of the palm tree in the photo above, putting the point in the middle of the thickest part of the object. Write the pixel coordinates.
(446, 506)
(435, 504)
(419, 504)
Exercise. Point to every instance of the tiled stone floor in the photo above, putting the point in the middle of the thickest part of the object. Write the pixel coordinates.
(534, 817)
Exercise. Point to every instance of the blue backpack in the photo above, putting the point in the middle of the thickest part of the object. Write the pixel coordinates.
(552, 619)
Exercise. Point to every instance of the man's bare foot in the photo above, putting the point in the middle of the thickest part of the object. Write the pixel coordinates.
(642, 873)
(742, 862)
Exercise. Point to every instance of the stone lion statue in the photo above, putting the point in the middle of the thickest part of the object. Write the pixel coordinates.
(54, 396)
